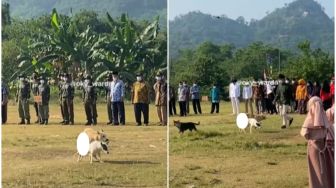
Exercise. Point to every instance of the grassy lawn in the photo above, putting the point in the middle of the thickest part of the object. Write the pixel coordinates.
(218, 155)
(43, 156)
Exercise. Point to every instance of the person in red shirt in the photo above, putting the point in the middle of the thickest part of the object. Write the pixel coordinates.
(332, 89)
(326, 95)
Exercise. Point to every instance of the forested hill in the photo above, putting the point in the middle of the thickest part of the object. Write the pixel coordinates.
(136, 9)
(295, 22)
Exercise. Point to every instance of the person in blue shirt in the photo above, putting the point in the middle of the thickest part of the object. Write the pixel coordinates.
(214, 95)
(117, 98)
(195, 92)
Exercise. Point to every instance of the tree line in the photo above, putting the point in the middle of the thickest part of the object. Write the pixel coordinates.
(84, 43)
(210, 64)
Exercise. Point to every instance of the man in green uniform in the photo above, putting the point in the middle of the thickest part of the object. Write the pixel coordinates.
(90, 98)
(22, 98)
(60, 86)
(67, 101)
(43, 107)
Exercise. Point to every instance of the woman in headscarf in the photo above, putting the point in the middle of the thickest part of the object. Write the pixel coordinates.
(314, 129)
(330, 146)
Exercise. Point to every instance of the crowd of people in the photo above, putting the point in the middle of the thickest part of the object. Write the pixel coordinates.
(114, 88)
(258, 96)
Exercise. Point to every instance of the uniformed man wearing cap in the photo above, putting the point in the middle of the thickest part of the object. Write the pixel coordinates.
(108, 99)
(43, 106)
(67, 100)
(160, 88)
(34, 86)
(117, 98)
(140, 99)
(90, 98)
(22, 98)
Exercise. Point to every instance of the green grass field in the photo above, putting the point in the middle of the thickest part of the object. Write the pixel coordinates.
(218, 155)
(43, 156)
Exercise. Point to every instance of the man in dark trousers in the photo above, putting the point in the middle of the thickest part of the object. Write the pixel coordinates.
(34, 86)
(43, 105)
(195, 92)
(67, 100)
(215, 98)
(117, 98)
(22, 98)
(283, 96)
(182, 98)
(108, 99)
(172, 101)
(4, 102)
(140, 99)
(90, 99)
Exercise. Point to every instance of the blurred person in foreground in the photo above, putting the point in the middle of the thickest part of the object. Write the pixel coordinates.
(314, 130)
(330, 146)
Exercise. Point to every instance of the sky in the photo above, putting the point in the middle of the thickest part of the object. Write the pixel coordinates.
(255, 9)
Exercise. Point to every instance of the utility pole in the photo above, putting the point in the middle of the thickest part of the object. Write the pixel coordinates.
(279, 37)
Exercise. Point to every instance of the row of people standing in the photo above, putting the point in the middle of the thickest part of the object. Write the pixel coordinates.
(115, 92)
(250, 94)
(115, 95)
(41, 92)
(184, 94)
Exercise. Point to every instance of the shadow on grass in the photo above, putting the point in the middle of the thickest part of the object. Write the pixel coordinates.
(131, 162)
(261, 145)
(201, 135)
(271, 131)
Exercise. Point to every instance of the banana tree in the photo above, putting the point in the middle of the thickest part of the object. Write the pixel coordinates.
(130, 48)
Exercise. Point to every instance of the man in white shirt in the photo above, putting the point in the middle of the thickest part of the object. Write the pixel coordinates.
(247, 96)
(234, 96)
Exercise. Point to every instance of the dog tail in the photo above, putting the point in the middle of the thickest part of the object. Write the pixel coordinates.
(198, 123)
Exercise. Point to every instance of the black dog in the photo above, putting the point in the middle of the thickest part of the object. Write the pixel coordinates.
(183, 126)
